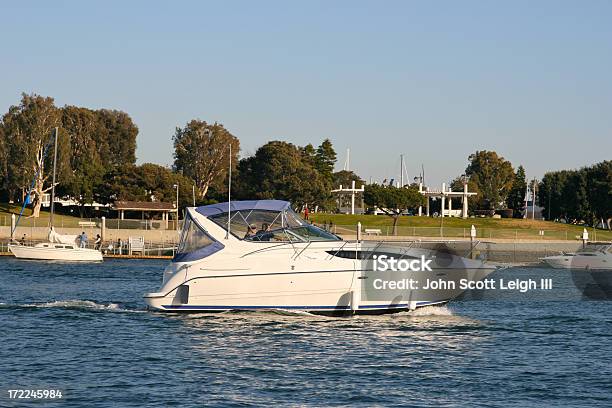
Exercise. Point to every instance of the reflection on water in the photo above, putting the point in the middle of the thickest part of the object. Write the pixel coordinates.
(347, 346)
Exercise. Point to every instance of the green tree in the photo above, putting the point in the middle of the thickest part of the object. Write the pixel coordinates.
(27, 130)
(494, 177)
(393, 200)
(147, 182)
(279, 170)
(116, 138)
(580, 195)
(551, 194)
(309, 153)
(159, 181)
(599, 178)
(516, 196)
(81, 129)
(576, 187)
(345, 179)
(122, 183)
(325, 159)
(201, 152)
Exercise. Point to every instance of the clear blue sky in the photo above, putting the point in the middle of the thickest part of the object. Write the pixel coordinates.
(435, 80)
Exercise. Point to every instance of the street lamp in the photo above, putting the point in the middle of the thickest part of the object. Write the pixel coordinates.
(177, 206)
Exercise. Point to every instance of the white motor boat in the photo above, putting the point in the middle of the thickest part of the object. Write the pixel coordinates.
(223, 263)
(592, 257)
(52, 251)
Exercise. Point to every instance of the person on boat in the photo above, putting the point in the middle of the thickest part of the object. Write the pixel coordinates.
(83, 240)
(264, 233)
(98, 242)
(23, 240)
(251, 231)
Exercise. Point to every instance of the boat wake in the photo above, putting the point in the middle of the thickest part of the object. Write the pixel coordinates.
(70, 304)
(286, 312)
(431, 311)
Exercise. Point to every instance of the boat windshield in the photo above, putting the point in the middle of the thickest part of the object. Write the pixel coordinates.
(195, 243)
(266, 225)
(596, 247)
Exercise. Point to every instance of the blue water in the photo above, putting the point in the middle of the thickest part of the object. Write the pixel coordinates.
(83, 329)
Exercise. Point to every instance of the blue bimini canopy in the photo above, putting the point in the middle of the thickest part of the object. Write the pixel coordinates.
(220, 208)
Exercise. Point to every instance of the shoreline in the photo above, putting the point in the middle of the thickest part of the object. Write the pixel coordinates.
(499, 251)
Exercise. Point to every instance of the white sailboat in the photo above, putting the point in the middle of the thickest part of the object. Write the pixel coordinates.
(59, 247)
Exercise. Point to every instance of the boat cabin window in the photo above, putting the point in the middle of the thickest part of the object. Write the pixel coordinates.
(193, 238)
(195, 243)
(275, 226)
(69, 247)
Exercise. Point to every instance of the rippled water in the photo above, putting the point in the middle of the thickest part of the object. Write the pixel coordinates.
(83, 329)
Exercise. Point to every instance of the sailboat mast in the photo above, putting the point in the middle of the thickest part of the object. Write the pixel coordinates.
(55, 131)
(401, 170)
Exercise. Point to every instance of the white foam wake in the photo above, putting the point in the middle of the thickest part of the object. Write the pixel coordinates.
(77, 304)
(72, 304)
(432, 311)
(288, 312)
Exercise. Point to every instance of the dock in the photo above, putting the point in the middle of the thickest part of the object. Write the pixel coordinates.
(117, 256)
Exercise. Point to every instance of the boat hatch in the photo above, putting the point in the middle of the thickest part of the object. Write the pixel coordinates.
(195, 243)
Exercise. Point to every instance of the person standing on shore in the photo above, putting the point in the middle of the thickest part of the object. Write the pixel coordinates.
(306, 212)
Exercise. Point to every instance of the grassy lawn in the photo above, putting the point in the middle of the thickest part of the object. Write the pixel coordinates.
(459, 227)
(43, 220)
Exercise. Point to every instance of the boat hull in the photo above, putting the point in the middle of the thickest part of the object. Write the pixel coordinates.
(329, 293)
(603, 262)
(55, 254)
